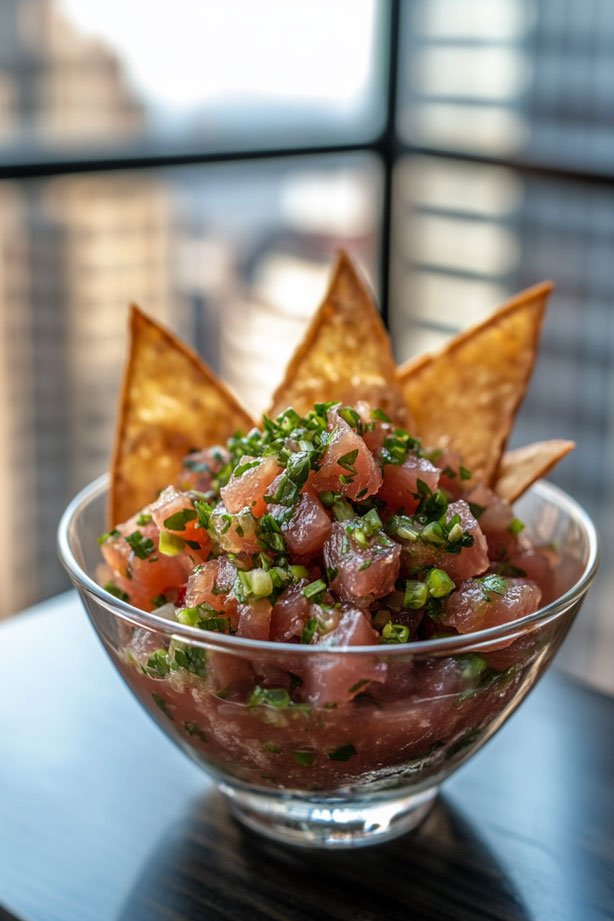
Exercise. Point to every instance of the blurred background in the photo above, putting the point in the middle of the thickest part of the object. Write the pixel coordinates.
(205, 159)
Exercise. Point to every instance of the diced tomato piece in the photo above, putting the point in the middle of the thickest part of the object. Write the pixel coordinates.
(400, 486)
(337, 679)
(308, 528)
(249, 489)
(475, 607)
(255, 619)
(200, 468)
(470, 561)
(362, 573)
(361, 475)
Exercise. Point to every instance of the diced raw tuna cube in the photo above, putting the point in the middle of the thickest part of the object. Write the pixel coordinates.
(308, 528)
(249, 489)
(200, 468)
(362, 573)
(400, 486)
(361, 474)
(475, 606)
(255, 620)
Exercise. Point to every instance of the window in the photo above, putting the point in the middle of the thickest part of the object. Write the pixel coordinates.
(208, 166)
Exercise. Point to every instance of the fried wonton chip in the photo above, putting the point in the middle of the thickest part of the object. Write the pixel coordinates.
(345, 354)
(521, 467)
(170, 402)
(466, 396)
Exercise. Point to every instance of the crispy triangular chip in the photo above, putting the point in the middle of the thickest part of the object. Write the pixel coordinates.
(521, 467)
(466, 396)
(345, 354)
(170, 402)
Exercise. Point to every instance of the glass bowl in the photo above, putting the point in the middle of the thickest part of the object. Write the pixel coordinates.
(366, 765)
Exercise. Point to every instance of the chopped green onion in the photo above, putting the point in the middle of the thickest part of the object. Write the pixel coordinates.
(439, 583)
(455, 533)
(261, 583)
(433, 533)
(158, 601)
(304, 758)
(299, 572)
(315, 590)
(395, 633)
(144, 519)
(190, 617)
(416, 594)
(342, 510)
(269, 697)
(309, 630)
(464, 473)
(170, 544)
(351, 417)
(472, 666)
(108, 535)
(371, 522)
(360, 537)
(380, 415)
(516, 526)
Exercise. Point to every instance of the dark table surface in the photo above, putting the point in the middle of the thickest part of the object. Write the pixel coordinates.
(102, 819)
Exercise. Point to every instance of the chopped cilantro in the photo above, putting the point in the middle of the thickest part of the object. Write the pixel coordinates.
(162, 704)
(114, 589)
(179, 520)
(494, 583)
(464, 473)
(347, 460)
(141, 546)
(380, 415)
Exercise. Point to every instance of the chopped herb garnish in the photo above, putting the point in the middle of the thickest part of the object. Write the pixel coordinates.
(516, 526)
(179, 520)
(439, 583)
(158, 665)
(192, 658)
(144, 519)
(464, 473)
(347, 460)
(269, 697)
(141, 546)
(108, 535)
(304, 758)
(315, 590)
(272, 748)
(395, 633)
(475, 509)
(380, 415)
(114, 589)
(416, 594)
(309, 630)
(494, 583)
(365, 565)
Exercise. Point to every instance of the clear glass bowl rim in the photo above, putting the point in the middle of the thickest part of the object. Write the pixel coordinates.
(444, 645)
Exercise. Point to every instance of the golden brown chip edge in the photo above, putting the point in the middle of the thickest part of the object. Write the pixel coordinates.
(343, 263)
(521, 467)
(414, 366)
(138, 320)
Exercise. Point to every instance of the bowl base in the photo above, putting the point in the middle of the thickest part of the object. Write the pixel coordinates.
(322, 822)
